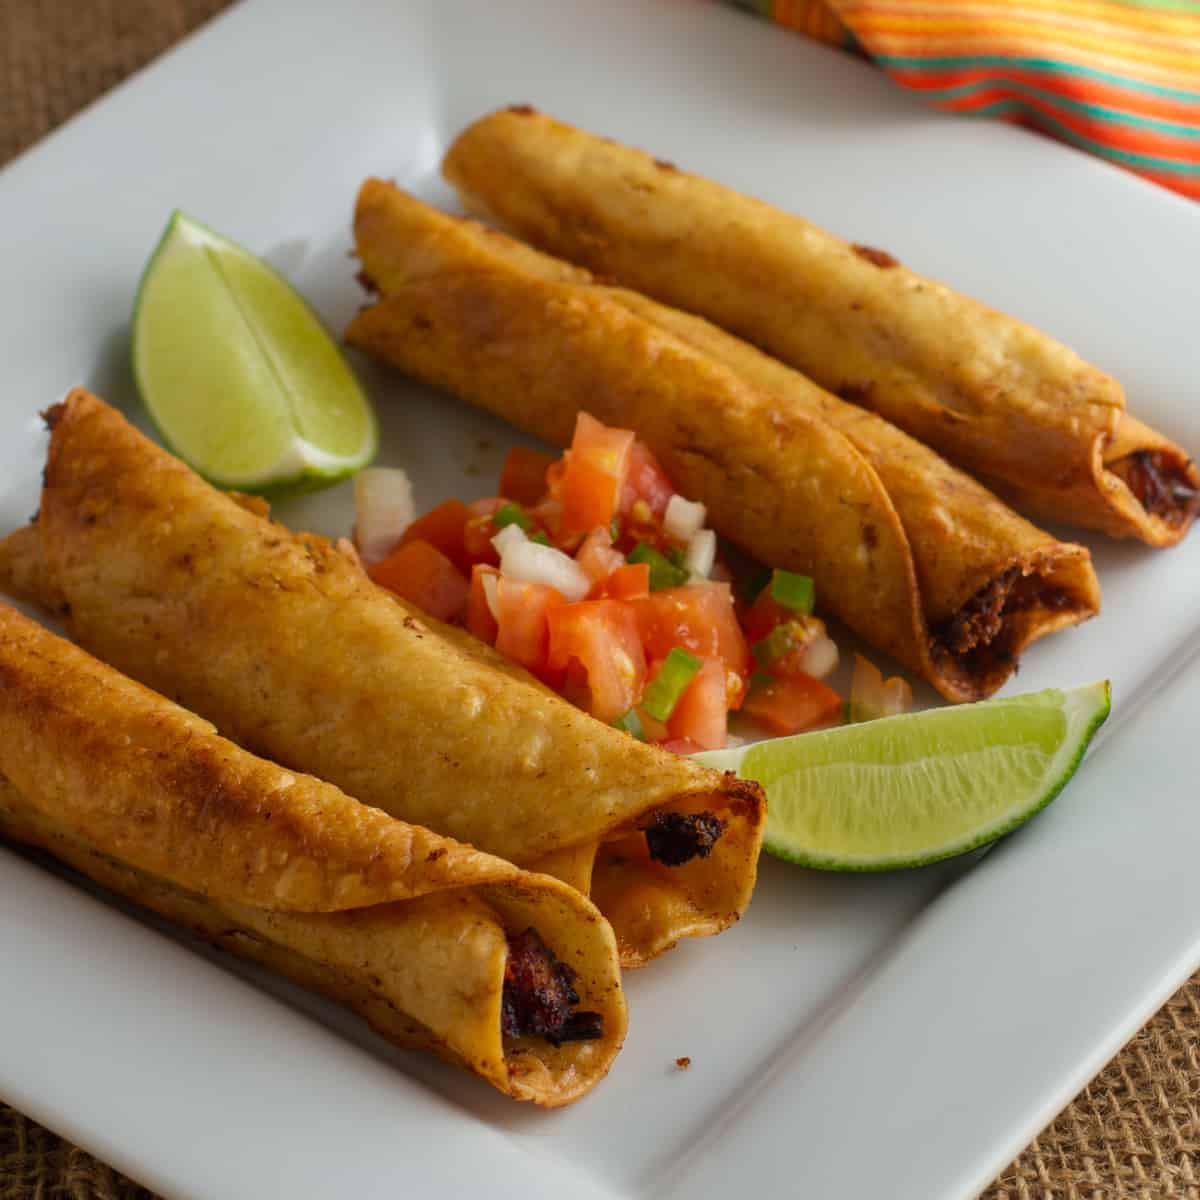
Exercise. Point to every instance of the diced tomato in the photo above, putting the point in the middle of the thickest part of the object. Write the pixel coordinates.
(555, 473)
(628, 582)
(479, 531)
(702, 713)
(646, 481)
(681, 746)
(523, 477)
(425, 577)
(549, 517)
(797, 646)
(480, 620)
(523, 632)
(597, 556)
(595, 472)
(763, 615)
(442, 528)
(700, 618)
(602, 637)
(793, 704)
(654, 730)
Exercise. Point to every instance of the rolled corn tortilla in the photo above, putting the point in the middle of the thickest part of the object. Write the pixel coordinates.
(910, 553)
(423, 936)
(294, 653)
(1019, 410)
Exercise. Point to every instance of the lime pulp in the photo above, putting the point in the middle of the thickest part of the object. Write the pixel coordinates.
(909, 790)
(239, 375)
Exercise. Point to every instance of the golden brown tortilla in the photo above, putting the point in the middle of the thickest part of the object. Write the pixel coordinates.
(1021, 411)
(910, 553)
(408, 928)
(294, 653)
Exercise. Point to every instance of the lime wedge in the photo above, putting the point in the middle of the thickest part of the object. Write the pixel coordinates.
(238, 374)
(909, 790)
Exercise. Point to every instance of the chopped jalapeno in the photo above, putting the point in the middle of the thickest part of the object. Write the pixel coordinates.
(774, 646)
(678, 669)
(512, 514)
(663, 572)
(631, 723)
(792, 591)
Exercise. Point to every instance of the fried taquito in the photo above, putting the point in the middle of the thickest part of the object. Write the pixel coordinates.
(909, 552)
(1016, 408)
(512, 975)
(294, 653)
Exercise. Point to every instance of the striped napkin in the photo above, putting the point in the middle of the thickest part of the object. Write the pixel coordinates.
(1118, 78)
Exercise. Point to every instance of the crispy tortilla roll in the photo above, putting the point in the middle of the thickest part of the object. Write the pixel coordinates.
(298, 656)
(995, 396)
(915, 556)
(511, 975)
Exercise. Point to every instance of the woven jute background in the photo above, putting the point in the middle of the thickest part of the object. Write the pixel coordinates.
(1133, 1132)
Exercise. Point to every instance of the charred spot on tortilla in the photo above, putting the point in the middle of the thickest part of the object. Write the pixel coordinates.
(878, 258)
(53, 415)
(676, 838)
(1160, 484)
(539, 996)
(522, 110)
(367, 283)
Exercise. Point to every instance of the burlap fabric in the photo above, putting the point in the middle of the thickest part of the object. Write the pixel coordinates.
(1133, 1132)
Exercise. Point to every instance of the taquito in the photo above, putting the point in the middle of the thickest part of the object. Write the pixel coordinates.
(912, 554)
(1013, 406)
(286, 645)
(512, 975)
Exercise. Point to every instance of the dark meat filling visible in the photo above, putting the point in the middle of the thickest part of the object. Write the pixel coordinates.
(979, 621)
(1157, 483)
(539, 996)
(676, 838)
(977, 625)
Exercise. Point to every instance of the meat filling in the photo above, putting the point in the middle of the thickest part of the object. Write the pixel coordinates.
(539, 995)
(980, 622)
(1159, 485)
(676, 838)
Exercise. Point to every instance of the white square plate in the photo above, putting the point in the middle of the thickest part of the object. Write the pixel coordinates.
(897, 1036)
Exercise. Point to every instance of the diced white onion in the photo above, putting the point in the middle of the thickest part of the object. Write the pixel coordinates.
(491, 584)
(683, 518)
(510, 535)
(871, 697)
(530, 562)
(820, 657)
(701, 553)
(383, 508)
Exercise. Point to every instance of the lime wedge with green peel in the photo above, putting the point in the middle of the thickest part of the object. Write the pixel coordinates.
(909, 790)
(238, 374)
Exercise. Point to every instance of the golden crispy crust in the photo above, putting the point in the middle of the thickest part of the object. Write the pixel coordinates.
(994, 395)
(296, 655)
(405, 927)
(22, 571)
(900, 544)
(183, 803)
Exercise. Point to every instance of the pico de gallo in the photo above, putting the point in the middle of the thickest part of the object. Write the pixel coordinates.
(593, 573)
